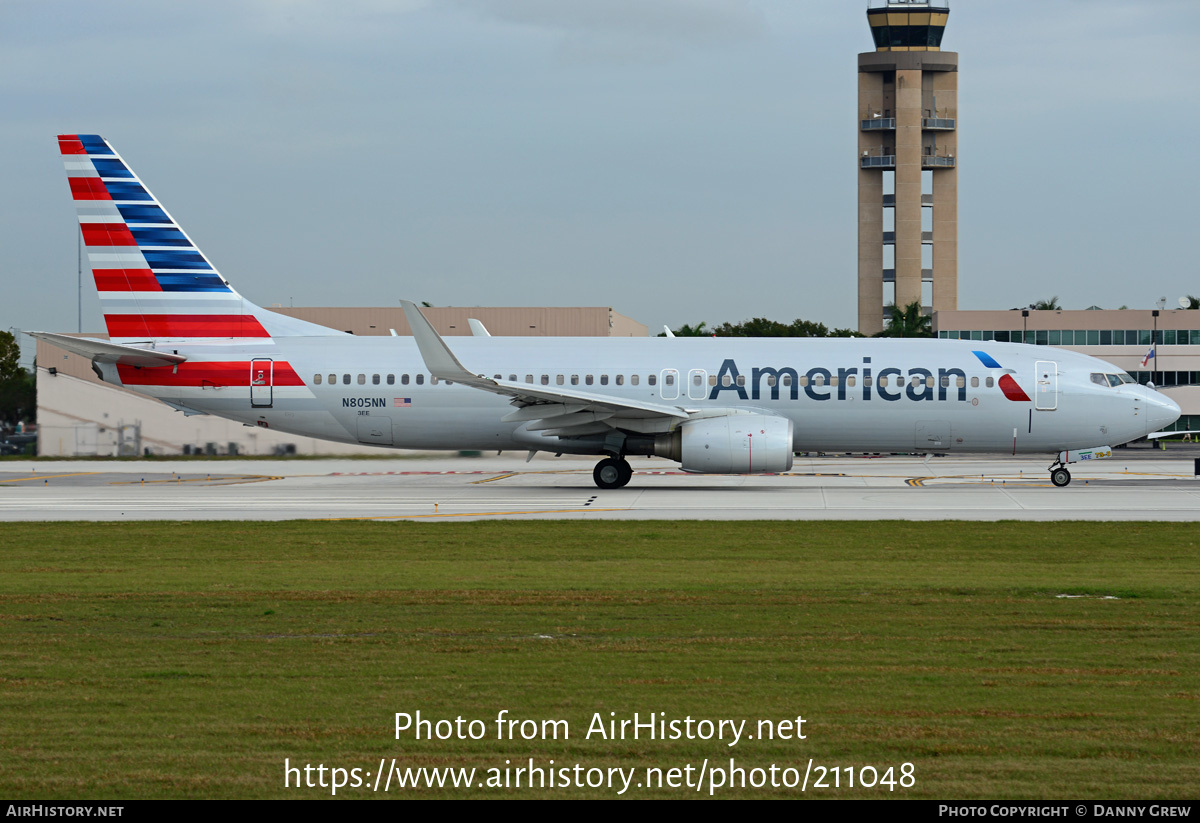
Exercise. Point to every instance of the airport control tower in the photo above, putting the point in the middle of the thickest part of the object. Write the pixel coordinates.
(907, 155)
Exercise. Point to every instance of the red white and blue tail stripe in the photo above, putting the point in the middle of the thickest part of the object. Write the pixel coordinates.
(154, 283)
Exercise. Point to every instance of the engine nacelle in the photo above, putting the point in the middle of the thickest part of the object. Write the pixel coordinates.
(735, 444)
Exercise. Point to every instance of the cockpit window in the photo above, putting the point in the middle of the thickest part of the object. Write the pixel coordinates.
(1111, 379)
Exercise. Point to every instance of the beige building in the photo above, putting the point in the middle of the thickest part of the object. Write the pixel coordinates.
(594, 321)
(908, 163)
(78, 414)
(1122, 337)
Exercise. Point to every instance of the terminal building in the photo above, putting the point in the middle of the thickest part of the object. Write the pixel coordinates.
(79, 415)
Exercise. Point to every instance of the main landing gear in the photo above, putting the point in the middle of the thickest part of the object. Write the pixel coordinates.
(612, 473)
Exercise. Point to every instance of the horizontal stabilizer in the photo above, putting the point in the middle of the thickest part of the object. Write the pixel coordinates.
(105, 351)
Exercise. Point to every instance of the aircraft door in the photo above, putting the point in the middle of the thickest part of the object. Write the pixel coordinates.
(261, 382)
(1046, 385)
(697, 378)
(669, 388)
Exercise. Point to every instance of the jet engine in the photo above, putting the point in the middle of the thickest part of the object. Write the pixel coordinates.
(734, 444)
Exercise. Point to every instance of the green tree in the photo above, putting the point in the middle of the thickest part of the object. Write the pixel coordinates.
(1193, 301)
(910, 321)
(17, 387)
(1046, 305)
(762, 327)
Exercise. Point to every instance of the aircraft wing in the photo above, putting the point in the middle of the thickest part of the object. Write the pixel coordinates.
(568, 408)
(108, 352)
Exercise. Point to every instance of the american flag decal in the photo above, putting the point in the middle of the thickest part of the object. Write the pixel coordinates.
(402, 402)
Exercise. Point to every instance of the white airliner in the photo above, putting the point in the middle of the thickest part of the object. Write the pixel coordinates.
(179, 332)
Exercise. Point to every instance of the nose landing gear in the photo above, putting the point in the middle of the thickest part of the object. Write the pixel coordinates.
(1060, 476)
(612, 473)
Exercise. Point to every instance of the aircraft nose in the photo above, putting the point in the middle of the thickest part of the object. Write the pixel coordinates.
(1161, 411)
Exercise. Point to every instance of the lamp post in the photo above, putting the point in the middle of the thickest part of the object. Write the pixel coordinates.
(1154, 348)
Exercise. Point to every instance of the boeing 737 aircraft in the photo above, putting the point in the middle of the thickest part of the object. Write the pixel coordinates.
(179, 332)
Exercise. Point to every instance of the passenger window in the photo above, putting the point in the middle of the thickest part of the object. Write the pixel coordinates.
(712, 380)
(332, 379)
(833, 381)
(574, 380)
(945, 381)
(669, 379)
(819, 380)
(770, 380)
(604, 380)
(850, 380)
(697, 380)
(929, 381)
(633, 379)
(345, 379)
(559, 380)
(620, 380)
(545, 380)
(404, 380)
(391, 380)
(374, 380)
(974, 382)
(866, 380)
(803, 381)
(990, 382)
(420, 379)
(914, 381)
(726, 380)
(960, 382)
(529, 378)
(362, 380)
(589, 380)
(652, 380)
(433, 381)
(787, 380)
(512, 378)
(883, 381)
(741, 379)
(316, 379)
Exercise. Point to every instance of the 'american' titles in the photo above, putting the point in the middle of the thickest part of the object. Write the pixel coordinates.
(947, 384)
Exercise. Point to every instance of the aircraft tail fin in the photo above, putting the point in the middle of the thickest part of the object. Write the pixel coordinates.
(154, 282)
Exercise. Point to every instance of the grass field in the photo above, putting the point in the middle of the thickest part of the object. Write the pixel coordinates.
(190, 659)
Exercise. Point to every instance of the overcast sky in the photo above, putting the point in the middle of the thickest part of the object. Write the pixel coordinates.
(678, 160)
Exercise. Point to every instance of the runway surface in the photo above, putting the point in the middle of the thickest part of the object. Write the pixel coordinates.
(1137, 484)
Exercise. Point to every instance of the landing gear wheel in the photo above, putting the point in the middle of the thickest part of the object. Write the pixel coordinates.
(1060, 477)
(612, 473)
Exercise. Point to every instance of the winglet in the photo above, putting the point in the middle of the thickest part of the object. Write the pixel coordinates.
(477, 328)
(438, 358)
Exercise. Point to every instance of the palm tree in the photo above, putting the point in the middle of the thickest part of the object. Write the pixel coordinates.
(1193, 301)
(910, 321)
(1046, 305)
